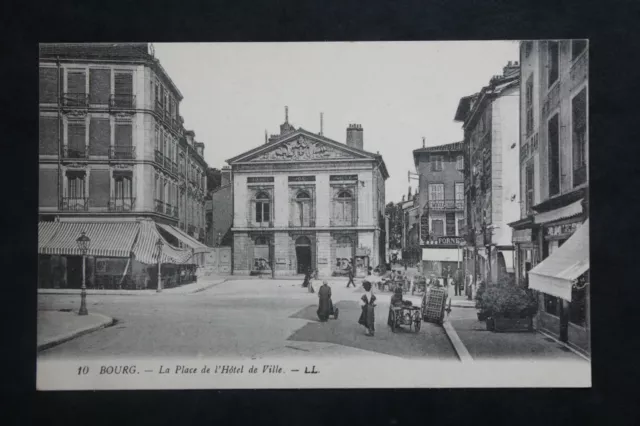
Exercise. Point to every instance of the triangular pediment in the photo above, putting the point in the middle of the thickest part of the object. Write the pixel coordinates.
(302, 146)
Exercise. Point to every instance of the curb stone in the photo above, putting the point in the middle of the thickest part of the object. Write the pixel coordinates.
(208, 286)
(458, 346)
(55, 341)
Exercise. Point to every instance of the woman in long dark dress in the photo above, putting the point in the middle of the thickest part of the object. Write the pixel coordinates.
(324, 302)
(368, 303)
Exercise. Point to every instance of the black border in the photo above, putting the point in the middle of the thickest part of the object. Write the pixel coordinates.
(613, 152)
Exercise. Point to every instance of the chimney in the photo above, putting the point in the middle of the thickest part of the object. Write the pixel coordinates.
(199, 148)
(225, 176)
(510, 69)
(321, 123)
(266, 138)
(403, 198)
(354, 136)
(273, 138)
(285, 127)
(190, 134)
(423, 141)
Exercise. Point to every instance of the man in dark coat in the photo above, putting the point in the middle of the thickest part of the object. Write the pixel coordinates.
(325, 307)
(350, 272)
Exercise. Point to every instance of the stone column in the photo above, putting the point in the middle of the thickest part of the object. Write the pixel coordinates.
(324, 254)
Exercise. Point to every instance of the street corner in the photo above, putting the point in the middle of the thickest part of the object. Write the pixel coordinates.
(56, 327)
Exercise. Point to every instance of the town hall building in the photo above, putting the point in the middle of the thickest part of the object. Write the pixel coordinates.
(303, 201)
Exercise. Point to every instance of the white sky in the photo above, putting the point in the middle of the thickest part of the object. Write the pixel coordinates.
(398, 91)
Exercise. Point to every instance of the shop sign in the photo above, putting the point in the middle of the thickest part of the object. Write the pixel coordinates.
(302, 178)
(450, 240)
(282, 261)
(562, 230)
(363, 251)
(522, 236)
(323, 260)
(343, 177)
(265, 179)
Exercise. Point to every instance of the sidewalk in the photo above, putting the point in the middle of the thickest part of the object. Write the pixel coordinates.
(202, 284)
(55, 327)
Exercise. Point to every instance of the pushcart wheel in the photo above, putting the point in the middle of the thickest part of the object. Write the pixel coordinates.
(394, 318)
(418, 323)
(335, 314)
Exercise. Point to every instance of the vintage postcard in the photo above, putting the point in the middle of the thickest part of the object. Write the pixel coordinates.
(313, 215)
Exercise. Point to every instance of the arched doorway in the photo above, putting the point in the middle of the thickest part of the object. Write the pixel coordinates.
(303, 254)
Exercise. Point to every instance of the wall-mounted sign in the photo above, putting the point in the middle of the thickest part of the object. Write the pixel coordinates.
(281, 261)
(561, 230)
(343, 177)
(363, 251)
(302, 178)
(262, 179)
(323, 260)
(450, 240)
(521, 236)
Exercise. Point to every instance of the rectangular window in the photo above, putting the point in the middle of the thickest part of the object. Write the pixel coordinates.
(554, 155)
(437, 227)
(529, 104)
(48, 80)
(577, 47)
(461, 230)
(76, 82)
(553, 54)
(460, 162)
(529, 188)
(48, 135)
(99, 136)
(262, 212)
(99, 187)
(99, 86)
(123, 83)
(451, 224)
(459, 195)
(75, 185)
(579, 125)
(76, 139)
(436, 195)
(436, 163)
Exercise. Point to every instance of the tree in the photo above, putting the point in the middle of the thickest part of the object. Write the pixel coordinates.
(394, 211)
(214, 179)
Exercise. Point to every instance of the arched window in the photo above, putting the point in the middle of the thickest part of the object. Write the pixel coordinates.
(303, 241)
(303, 195)
(262, 241)
(343, 208)
(300, 211)
(262, 210)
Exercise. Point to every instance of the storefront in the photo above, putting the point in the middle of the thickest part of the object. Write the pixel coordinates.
(442, 257)
(562, 279)
(525, 240)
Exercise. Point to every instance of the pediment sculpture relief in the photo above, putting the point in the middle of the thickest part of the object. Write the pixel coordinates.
(301, 149)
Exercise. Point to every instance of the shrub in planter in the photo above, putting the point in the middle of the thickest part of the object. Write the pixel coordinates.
(505, 300)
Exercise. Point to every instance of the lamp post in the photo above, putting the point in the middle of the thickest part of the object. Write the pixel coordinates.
(159, 245)
(219, 238)
(273, 258)
(83, 244)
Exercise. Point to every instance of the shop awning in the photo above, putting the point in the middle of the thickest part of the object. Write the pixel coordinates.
(441, 254)
(46, 231)
(145, 248)
(565, 212)
(555, 275)
(185, 239)
(108, 239)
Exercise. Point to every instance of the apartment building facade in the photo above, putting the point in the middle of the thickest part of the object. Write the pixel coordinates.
(113, 149)
(552, 233)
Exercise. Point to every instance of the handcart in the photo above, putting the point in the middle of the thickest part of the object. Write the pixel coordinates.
(406, 314)
(419, 284)
(433, 305)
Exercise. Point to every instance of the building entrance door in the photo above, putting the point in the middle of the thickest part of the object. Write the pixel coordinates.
(74, 271)
(303, 255)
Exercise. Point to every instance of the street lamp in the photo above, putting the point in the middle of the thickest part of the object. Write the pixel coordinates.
(219, 238)
(159, 245)
(83, 244)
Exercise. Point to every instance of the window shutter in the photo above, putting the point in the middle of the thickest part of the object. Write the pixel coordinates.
(48, 188)
(123, 84)
(48, 135)
(76, 82)
(99, 136)
(99, 86)
(76, 136)
(124, 134)
(48, 85)
(99, 182)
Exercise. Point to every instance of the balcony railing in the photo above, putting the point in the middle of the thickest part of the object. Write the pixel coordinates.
(159, 206)
(168, 209)
(159, 108)
(68, 152)
(122, 204)
(191, 229)
(201, 234)
(174, 168)
(122, 101)
(75, 204)
(122, 152)
(175, 211)
(446, 204)
(75, 100)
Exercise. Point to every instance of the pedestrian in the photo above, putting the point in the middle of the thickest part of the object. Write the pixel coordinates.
(367, 303)
(307, 279)
(456, 286)
(405, 266)
(396, 300)
(350, 274)
(325, 306)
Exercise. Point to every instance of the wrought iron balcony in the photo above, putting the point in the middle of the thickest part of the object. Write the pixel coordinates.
(120, 204)
(159, 206)
(68, 152)
(159, 157)
(168, 209)
(122, 152)
(175, 211)
(174, 168)
(166, 162)
(75, 100)
(122, 101)
(450, 205)
(75, 204)
(201, 234)
(159, 109)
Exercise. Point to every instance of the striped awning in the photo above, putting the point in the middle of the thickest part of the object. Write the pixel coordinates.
(145, 248)
(185, 239)
(46, 231)
(108, 239)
